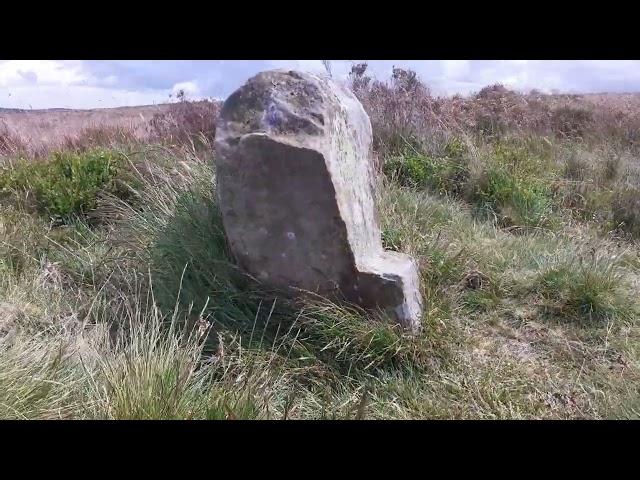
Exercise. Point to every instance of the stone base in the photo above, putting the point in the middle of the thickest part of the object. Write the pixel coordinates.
(390, 281)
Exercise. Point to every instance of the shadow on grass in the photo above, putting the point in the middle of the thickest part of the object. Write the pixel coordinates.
(193, 273)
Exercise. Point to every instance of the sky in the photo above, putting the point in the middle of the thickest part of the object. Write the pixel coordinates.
(109, 83)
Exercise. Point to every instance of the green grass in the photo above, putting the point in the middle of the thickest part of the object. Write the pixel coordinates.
(440, 174)
(517, 200)
(135, 310)
(587, 290)
(625, 208)
(512, 185)
(68, 183)
(444, 173)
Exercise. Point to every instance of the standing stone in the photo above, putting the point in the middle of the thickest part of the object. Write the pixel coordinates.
(296, 191)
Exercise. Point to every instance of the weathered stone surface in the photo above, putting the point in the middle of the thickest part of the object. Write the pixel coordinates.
(296, 190)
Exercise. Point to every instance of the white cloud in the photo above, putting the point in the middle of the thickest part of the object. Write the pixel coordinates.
(77, 96)
(110, 80)
(88, 84)
(456, 69)
(191, 89)
(43, 72)
(309, 65)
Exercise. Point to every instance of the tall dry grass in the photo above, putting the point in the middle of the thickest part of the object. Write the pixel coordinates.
(35, 134)
(404, 109)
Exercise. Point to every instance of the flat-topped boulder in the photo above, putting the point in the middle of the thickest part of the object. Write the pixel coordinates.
(296, 191)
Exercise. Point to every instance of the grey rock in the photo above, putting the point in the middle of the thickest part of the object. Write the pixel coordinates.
(296, 190)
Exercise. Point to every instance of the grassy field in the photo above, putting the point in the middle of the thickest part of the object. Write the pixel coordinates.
(118, 299)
